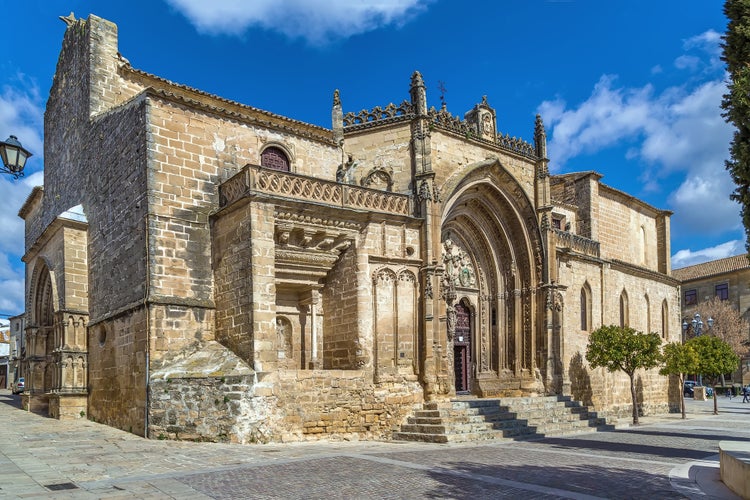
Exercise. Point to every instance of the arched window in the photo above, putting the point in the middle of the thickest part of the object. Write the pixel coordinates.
(275, 158)
(585, 308)
(643, 248)
(624, 321)
(664, 319)
(648, 314)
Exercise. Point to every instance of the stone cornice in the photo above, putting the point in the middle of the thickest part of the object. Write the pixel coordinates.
(155, 300)
(379, 259)
(642, 272)
(621, 266)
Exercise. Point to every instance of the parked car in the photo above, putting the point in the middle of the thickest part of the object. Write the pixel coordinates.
(17, 386)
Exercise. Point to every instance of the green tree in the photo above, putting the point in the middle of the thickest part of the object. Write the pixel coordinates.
(679, 359)
(624, 349)
(736, 104)
(715, 357)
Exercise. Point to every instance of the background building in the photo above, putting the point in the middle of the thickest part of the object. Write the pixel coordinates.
(17, 347)
(199, 268)
(727, 279)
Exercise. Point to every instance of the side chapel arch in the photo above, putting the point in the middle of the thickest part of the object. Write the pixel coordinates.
(41, 341)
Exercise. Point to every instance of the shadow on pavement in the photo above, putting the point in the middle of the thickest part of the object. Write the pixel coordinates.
(690, 434)
(10, 399)
(587, 480)
(620, 447)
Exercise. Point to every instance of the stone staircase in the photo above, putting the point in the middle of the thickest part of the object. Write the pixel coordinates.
(467, 420)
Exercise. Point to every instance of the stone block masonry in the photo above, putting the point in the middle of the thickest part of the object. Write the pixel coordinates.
(291, 406)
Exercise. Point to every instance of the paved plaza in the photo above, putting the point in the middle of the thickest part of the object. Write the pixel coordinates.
(664, 457)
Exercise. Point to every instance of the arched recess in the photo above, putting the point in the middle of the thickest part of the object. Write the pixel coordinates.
(41, 341)
(488, 216)
(664, 319)
(395, 313)
(276, 156)
(624, 309)
(586, 316)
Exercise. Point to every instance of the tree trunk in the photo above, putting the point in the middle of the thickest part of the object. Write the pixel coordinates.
(716, 407)
(682, 395)
(634, 398)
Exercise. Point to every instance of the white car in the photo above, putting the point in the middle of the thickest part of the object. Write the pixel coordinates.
(17, 386)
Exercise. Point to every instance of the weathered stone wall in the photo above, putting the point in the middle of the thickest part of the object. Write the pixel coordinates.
(118, 350)
(298, 406)
(608, 391)
(76, 283)
(386, 148)
(174, 327)
(67, 406)
(232, 254)
(452, 155)
(627, 230)
(345, 404)
(342, 349)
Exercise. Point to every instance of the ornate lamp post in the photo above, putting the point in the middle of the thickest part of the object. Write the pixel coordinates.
(14, 157)
(697, 323)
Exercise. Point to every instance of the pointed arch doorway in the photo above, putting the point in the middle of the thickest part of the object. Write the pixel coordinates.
(493, 259)
(462, 358)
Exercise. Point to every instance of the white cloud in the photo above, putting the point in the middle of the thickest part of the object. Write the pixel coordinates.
(685, 258)
(317, 21)
(676, 132)
(687, 62)
(607, 117)
(709, 43)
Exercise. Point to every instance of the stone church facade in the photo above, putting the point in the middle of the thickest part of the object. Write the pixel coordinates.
(202, 269)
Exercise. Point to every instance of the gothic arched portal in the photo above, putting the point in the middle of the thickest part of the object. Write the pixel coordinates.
(492, 254)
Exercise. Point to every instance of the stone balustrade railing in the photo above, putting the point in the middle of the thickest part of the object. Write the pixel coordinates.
(577, 243)
(256, 179)
(441, 119)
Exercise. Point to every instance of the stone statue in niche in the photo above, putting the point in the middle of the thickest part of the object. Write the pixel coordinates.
(451, 321)
(284, 334)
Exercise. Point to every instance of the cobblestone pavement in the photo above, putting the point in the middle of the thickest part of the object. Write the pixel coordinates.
(664, 457)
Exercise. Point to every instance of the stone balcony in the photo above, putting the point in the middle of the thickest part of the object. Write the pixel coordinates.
(254, 179)
(579, 244)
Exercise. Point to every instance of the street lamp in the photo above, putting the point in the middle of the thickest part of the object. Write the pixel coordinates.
(14, 157)
(697, 323)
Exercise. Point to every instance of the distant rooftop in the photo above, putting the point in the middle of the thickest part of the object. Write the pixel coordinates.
(712, 268)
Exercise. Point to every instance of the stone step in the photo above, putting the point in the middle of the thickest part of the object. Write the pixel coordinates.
(494, 419)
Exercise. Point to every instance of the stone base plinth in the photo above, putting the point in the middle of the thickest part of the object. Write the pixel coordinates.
(37, 403)
(68, 406)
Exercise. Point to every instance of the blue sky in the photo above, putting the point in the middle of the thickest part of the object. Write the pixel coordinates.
(630, 89)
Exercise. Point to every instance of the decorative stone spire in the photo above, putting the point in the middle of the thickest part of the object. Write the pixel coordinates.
(69, 20)
(483, 119)
(418, 94)
(337, 117)
(540, 138)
